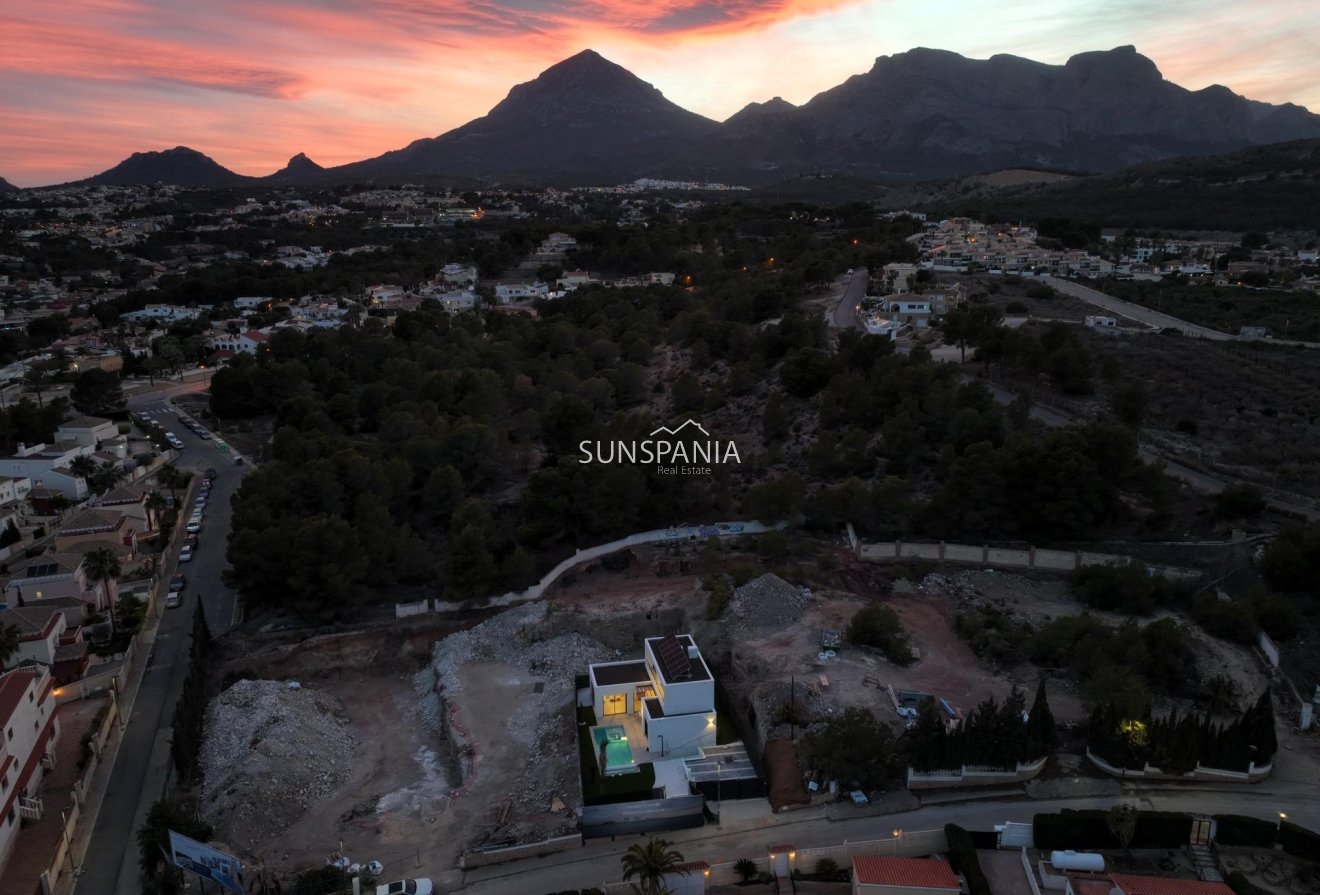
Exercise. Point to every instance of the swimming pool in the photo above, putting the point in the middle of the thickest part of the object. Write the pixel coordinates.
(613, 753)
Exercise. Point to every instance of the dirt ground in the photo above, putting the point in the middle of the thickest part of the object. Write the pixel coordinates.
(397, 788)
(1273, 871)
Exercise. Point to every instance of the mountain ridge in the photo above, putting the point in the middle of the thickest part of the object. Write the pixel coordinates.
(919, 115)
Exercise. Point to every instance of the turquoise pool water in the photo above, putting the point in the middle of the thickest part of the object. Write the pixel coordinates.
(612, 750)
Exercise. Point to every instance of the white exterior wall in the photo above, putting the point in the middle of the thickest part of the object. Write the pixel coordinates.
(683, 735)
(599, 693)
(28, 727)
(43, 470)
(40, 650)
(682, 697)
(90, 437)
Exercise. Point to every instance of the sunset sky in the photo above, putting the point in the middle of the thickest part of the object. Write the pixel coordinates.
(84, 83)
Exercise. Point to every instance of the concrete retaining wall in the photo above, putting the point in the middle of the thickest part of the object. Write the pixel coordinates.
(1253, 774)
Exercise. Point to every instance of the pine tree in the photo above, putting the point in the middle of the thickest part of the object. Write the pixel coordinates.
(1041, 734)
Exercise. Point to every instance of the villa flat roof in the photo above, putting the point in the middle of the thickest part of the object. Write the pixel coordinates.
(695, 666)
(654, 708)
(620, 673)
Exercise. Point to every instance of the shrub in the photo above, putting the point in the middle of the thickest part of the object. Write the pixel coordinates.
(963, 859)
(1234, 829)
(720, 594)
(1239, 501)
(877, 625)
(1243, 886)
(827, 868)
(1298, 840)
(1233, 621)
(746, 869)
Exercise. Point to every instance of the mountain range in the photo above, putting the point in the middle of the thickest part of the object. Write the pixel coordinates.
(923, 114)
(6, 186)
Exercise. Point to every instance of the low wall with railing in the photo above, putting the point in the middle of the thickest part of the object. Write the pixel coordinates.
(974, 775)
(1253, 773)
(1002, 557)
(584, 556)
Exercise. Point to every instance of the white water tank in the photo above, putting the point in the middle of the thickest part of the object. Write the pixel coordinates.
(1073, 860)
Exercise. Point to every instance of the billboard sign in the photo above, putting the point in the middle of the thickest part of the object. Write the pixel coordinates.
(207, 863)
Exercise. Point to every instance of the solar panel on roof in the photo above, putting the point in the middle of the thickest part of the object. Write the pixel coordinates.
(674, 657)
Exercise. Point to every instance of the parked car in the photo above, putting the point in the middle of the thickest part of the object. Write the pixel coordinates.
(211, 472)
(185, 554)
(406, 887)
(200, 501)
(173, 600)
(178, 581)
(194, 525)
(238, 461)
(192, 541)
(203, 435)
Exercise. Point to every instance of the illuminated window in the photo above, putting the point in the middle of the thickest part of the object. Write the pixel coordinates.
(616, 703)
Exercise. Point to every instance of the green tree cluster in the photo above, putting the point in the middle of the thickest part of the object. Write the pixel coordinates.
(1176, 744)
(153, 841)
(992, 734)
(877, 625)
(856, 749)
(189, 721)
(1130, 588)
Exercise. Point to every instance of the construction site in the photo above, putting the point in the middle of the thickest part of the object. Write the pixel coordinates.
(441, 738)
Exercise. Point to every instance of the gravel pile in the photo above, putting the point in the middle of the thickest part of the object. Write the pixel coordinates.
(271, 753)
(542, 722)
(768, 602)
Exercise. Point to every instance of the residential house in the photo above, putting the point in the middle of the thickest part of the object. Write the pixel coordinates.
(13, 494)
(459, 274)
(90, 431)
(47, 638)
(916, 311)
(103, 527)
(53, 575)
(898, 278)
(48, 466)
(886, 875)
(571, 279)
(252, 302)
(249, 342)
(166, 313)
(27, 748)
(670, 691)
(1101, 324)
(131, 501)
(1129, 884)
(508, 292)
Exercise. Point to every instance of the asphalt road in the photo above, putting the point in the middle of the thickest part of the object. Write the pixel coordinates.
(1134, 311)
(599, 861)
(845, 312)
(140, 770)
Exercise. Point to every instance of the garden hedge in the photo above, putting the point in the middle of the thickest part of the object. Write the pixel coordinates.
(1234, 829)
(963, 859)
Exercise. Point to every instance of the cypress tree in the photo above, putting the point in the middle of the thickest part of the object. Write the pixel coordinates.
(1041, 735)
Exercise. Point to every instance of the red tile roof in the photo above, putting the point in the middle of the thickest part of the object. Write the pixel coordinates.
(916, 873)
(1159, 885)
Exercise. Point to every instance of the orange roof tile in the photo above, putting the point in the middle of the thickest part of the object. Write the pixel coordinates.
(917, 873)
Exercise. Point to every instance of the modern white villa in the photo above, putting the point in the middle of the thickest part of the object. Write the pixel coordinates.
(660, 707)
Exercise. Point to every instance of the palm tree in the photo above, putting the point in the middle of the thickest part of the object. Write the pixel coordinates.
(154, 504)
(101, 566)
(9, 639)
(36, 380)
(83, 466)
(649, 863)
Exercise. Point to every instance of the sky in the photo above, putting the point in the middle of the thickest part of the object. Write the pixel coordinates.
(85, 83)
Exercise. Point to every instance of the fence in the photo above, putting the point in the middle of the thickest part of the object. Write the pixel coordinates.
(581, 557)
(973, 775)
(1005, 557)
(1031, 877)
(651, 816)
(1268, 648)
(517, 852)
(1253, 773)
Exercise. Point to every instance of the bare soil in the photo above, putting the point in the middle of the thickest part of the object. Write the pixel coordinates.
(396, 794)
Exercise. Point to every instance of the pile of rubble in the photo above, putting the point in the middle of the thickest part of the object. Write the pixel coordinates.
(273, 749)
(543, 722)
(768, 602)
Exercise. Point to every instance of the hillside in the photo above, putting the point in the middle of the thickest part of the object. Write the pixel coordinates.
(1262, 188)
